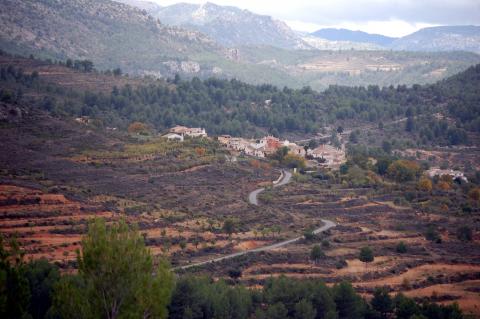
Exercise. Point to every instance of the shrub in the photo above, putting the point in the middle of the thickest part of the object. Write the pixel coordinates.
(403, 170)
(401, 248)
(464, 233)
(425, 184)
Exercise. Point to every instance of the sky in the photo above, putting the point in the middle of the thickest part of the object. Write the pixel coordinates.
(388, 17)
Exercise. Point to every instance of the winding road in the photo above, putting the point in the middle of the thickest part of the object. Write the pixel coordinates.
(253, 199)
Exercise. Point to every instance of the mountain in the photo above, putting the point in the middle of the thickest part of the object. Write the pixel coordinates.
(443, 38)
(150, 7)
(109, 33)
(113, 34)
(352, 36)
(231, 26)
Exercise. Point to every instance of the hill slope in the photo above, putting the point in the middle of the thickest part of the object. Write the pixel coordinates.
(236, 108)
(109, 33)
(444, 38)
(231, 26)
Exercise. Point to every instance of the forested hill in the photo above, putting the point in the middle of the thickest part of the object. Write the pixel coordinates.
(233, 107)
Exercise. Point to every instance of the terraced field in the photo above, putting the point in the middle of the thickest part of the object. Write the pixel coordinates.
(367, 217)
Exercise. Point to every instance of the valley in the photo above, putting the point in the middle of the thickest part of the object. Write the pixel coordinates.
(194, 202)
(205, 161)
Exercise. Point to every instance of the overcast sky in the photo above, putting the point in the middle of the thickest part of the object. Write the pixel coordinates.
(388, 17)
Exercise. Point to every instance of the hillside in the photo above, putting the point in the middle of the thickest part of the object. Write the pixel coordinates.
(149, 6)
(230, 26)
(240, 109)
(109, 33)
(352, 36)
(444, 38)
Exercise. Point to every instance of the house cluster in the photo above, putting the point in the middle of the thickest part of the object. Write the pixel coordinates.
(329, 155)
(326, 155)
(179, 132)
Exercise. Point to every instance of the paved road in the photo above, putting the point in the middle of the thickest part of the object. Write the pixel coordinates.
(327, 225)
(285, 179)
(252, 198)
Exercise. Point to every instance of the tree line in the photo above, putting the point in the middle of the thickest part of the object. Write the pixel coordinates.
(233, 107)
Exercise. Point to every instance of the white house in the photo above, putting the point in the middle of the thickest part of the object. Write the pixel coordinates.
(449, 172)
(189, 131)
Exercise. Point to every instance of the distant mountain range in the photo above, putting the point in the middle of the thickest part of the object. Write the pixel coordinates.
(234, 27)
(444, 38)
(353, 36)
(231, 26)
(255, 49)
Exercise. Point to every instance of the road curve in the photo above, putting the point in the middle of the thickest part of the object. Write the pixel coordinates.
(252, 198)
(283, 180)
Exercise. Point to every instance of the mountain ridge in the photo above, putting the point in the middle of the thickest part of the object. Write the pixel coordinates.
(341, 34)
(441, 38)
(231, 26)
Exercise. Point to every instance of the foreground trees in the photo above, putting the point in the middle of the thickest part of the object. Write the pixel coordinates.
(116, 278)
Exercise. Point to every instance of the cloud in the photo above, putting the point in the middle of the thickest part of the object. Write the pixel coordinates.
(447, 12)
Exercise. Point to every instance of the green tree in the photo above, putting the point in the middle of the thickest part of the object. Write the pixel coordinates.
(403, 170)
(405, 307)
(277, 311)
(387, 147)
(116, 277)
(401, 248)
(349, 304)
(410, 125)
(42, 277)
(366, 255)
(304, 310)
(316, 253)
(14, 287)
(229, 226)
(432, 234)
(382, 302)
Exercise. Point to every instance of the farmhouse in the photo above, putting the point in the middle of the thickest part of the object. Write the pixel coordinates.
(251, 150)
(83, 120)
(294, 148)
(333, 156)
(223, 139)
(189, 131)
(271, 144)
(174, 136)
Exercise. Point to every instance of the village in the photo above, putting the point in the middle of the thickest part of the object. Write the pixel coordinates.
(323, 155)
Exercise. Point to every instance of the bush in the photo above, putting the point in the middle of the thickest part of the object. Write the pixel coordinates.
(465, 233)
(432, 235)
(401, 248)
(309, 235)
(425, 185)
(403, 170)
